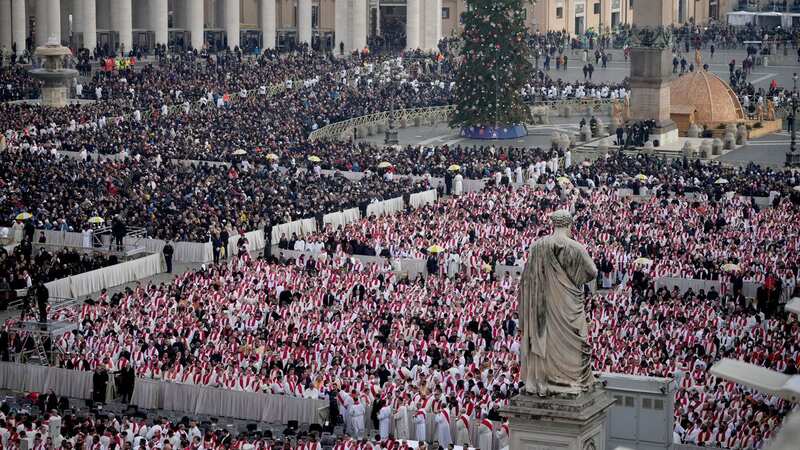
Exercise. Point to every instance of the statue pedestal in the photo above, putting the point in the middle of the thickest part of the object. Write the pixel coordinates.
(559, 422)
(55, 96)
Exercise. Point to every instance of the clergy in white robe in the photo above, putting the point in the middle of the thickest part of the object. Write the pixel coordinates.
(443, 429)
(485, 435)
(503, 436)
(401, 423)
(462, 431)
(384, 419)
(458, 185)
(356, 413)
(419, 425)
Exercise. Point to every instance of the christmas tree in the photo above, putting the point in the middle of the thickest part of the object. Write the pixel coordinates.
(494, 65)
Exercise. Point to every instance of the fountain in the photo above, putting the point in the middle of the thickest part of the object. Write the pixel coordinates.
(55, 77)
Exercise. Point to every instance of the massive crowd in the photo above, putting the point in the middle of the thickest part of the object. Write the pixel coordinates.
(446, 346)
(433, 358)
(175, 201)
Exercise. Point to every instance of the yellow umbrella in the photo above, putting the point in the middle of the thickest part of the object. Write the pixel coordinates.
(384, 164)
(435, 249)
(642, 261)
(96, 219)
(314, 158)
(271, 156)
(721, 181)
(239, 152)
(24, 216)
(454, 168)
(563, 180)
(641, 177)
(730, 267)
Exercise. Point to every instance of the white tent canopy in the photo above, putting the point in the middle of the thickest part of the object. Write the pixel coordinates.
(742, 18)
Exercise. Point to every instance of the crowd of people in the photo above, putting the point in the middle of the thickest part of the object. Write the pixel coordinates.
(176, 201)
(446, 346)
(23, 266)
(430, 358)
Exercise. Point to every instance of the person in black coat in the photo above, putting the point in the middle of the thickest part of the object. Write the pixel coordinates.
(125, 381)
(99, 383)
(168, 251)
(42, 296)
(432, 265)
(118, 231)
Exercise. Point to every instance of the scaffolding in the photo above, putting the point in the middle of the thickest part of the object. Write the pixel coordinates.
(132, 243)
(40, 340)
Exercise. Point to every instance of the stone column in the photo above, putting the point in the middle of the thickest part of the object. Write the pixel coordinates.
(159, 20)
(54, 19)
(103, 17)
(122, 23)
(141, 12)
(18, 25)
(269, 29)
(42, 21)
(5, 25)
(232, 22)
(341, 30)
(651, 68)
(360, 12)
(433, 24)
(194, 22)
(304, 31)
(412, 24)
(89, 23)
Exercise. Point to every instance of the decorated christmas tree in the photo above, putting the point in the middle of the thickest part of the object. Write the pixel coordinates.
(494, 66)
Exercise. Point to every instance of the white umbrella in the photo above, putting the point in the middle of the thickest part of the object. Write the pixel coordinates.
(239, 152)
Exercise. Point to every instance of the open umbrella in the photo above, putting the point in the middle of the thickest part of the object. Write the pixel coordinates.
(314, 158)
(721, 181)
(797, 188)
(24, 216)
(435, 249)
(641, 177)
(271, 156)
(642, 261)
(239, 152)
(730, 267)
(454, 168)
(384, 165)
(96, 219)
(563, 181)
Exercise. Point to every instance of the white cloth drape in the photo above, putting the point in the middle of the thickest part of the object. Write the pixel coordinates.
(154, 394)
(107, 277)
(422, 198)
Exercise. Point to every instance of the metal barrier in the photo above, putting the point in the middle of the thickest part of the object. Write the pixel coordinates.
(434, 115)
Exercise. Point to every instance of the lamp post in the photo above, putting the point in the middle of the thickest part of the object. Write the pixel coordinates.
(793, 157)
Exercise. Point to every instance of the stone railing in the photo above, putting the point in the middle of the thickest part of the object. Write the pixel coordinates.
(377, 122)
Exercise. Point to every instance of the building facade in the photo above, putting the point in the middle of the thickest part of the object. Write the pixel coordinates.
(332, 24)
(578, 16)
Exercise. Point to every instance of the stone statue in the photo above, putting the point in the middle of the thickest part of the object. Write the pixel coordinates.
(770, 110)
(556, 357)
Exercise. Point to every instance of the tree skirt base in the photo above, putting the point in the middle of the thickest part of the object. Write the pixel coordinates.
(498, 132)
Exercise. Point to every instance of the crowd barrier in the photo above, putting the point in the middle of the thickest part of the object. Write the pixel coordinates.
(255, 406)
(76, 286)
(298, 227)
(156, 394)
(749, 288)
(33, 378)
(391, 206)
(342, 218)
(184, 252)
(422, 198)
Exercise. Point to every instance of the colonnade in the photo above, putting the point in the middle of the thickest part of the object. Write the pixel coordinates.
(423, 24)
